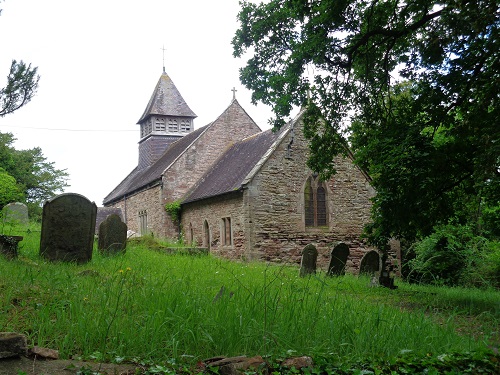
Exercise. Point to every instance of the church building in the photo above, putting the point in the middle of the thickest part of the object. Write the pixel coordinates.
(244, 193)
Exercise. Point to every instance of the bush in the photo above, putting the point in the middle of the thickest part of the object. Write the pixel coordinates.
(489, 268)
(453, 255)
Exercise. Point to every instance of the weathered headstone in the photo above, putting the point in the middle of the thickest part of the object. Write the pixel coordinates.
(112, 235)
(104, 212)
(370, 263)
(68, 227)
(308, 262)
(15, 212)
(338, 259)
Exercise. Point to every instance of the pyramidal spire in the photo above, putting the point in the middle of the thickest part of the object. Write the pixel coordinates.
(166, 101)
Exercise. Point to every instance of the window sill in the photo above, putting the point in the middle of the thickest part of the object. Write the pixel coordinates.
(321, 229)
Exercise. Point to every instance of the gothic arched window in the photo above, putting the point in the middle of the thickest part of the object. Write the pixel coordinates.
(315, 212)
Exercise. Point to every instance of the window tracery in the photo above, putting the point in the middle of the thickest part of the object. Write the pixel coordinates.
(315, 205)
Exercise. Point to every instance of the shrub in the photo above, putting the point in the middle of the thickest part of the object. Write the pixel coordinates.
(174, 210)
(454, 256)
(488, 270)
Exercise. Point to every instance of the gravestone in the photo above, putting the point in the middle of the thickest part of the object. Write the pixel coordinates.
(308, 262)
(104, 212)
(68, 226)
(15, 212)
(338, 259)
(370, 263)
(112, 235)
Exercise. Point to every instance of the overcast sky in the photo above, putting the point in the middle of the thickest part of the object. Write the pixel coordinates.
(99, 61)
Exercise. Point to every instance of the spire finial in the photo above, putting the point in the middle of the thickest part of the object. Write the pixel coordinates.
(234, 93)
(163, 49)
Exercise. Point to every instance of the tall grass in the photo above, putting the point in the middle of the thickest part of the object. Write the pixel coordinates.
(146, 304)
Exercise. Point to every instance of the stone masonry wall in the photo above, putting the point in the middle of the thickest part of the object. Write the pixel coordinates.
(233, 125)
(275, 201)
(147, 200)
(213, 211)
(267, 218)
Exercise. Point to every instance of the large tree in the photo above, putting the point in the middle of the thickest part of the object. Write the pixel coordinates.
(412, 87)
(35, 177)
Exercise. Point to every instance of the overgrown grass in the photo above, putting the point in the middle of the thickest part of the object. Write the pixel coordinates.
(149, 305)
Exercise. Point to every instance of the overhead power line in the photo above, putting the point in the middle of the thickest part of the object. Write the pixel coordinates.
(69, 130)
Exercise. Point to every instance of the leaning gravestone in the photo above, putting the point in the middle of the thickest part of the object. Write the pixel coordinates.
(15, 212)
(308, 262)
(338, 259)
(112, 235)
(68, 226)
(370, 263)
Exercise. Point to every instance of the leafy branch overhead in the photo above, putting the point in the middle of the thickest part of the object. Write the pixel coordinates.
(22, 83)
(412, 87)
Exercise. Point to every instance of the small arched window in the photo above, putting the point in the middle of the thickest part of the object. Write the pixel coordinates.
(206, 235)
(315, 207)
(191, 234)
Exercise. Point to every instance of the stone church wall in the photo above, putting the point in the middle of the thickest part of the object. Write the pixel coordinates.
(213, 211)
(232, 126)
(275, 199)
(267, 218)
(144, 201)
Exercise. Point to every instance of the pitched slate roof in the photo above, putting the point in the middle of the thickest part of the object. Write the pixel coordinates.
(236, 166)
(166, 100)
(142, 178)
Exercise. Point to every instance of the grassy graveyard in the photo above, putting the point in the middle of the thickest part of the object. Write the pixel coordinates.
(173, 310)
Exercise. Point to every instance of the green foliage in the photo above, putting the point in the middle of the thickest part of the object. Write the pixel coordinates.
(453, 256)
(174, 210)
(489, 266)
(429, 138)
(22, 83)
(9, 190)
(36, 178)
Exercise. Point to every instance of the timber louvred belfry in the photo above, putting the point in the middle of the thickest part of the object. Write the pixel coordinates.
(167, 118)
(244, 193)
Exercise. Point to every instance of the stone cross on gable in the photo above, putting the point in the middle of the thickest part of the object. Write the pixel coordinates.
(234, 92)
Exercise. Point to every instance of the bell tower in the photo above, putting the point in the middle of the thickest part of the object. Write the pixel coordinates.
(166, 118)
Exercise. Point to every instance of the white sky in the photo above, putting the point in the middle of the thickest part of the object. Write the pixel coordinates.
(99, 61)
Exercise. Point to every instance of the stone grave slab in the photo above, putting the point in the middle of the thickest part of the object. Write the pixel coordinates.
(308, 261)
(112, 235)
(338, 259)
(68, 227)
(15, 212)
